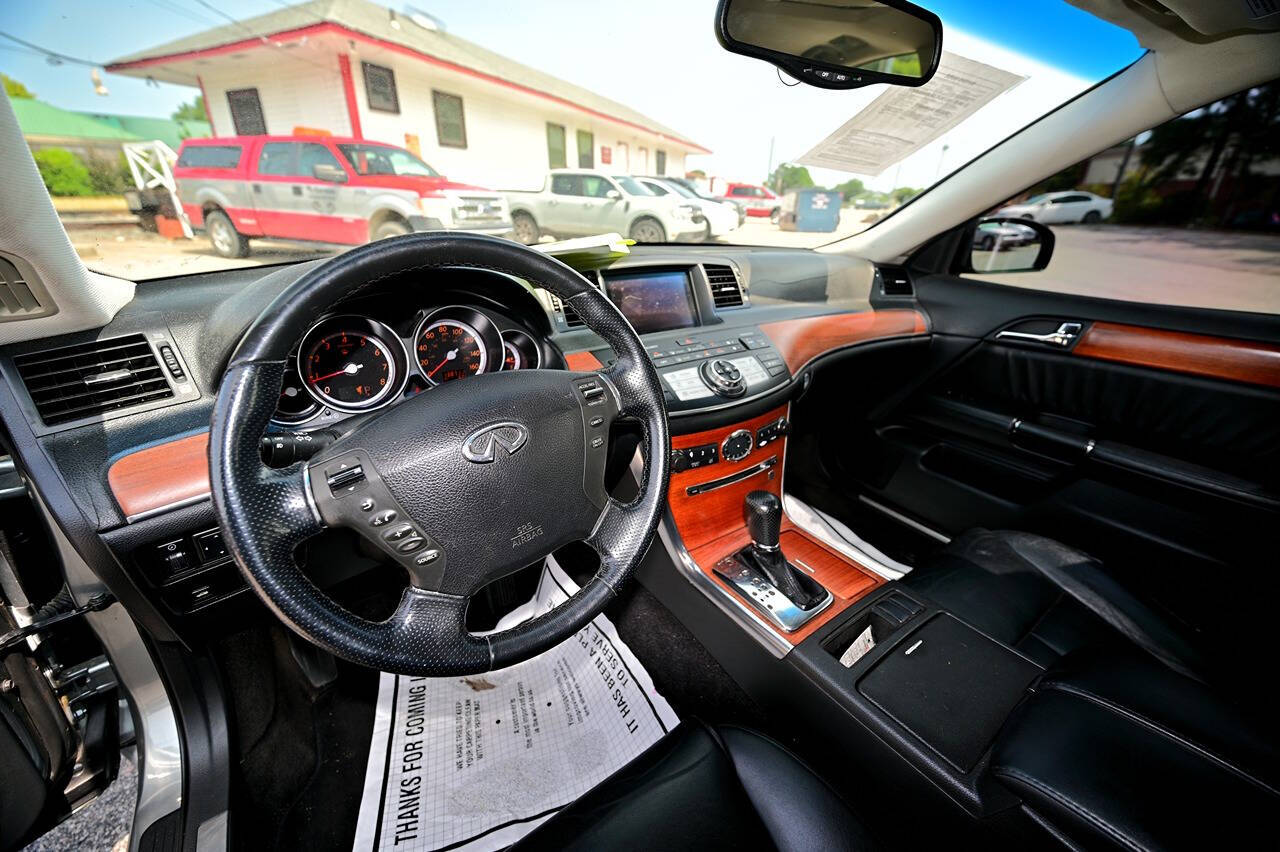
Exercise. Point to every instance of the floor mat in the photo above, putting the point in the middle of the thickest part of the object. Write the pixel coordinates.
(476, 763)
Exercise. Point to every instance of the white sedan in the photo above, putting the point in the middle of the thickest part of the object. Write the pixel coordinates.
(1054, 208)
(720, 217)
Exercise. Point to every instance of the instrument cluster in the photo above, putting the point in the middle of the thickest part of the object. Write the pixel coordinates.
(350, 363)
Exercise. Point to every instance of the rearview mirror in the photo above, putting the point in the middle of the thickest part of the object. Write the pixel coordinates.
(329, 172)
(1008, 245)
(836, 44)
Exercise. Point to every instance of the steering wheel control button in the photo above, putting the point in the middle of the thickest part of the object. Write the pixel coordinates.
(426, 557)
(737, 446)
(596, 422)
(592, 392)
(399, 533)
(345, 480)
(410, 545)
(367, 504)
(383, 518)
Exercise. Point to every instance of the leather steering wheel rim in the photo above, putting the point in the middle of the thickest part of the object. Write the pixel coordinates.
(266, 513)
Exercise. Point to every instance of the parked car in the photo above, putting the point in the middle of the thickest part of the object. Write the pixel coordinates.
(581, 202)
(758, 201)
(698, 191)
(998, 236)
(719, 217)
(323, 189)
(1058, 207)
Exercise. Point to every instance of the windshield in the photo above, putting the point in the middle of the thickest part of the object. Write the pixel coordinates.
(379, 160)
(632, 186)
(327, 96)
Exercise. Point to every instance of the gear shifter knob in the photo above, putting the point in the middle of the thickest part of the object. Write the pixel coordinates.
(763, 511)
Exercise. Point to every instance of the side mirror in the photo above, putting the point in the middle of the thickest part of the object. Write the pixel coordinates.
(613, 195)
(1008, 245)
(328, 172)
(836, 44)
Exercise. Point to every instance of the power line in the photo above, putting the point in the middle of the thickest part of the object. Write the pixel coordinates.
(52, 53)
(263, 39)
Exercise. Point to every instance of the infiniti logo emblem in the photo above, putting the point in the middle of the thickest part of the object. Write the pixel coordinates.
(481, 446)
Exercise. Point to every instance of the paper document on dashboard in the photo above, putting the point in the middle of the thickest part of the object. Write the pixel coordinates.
(903, 120)
(475, 763)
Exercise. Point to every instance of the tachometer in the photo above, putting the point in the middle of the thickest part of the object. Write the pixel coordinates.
(351, 363)
(455, 342)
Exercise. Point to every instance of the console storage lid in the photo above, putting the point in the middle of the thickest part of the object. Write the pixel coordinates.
(951, 686)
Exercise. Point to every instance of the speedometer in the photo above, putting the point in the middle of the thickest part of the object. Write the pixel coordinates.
(455, 342)
(449, 349)
(351, 363)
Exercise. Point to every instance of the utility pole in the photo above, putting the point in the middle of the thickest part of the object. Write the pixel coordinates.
(769, 172)
(941, 157)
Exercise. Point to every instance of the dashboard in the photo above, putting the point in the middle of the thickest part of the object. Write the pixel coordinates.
(731, 331)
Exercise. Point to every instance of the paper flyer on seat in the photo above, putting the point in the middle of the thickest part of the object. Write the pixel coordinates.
(475, 763)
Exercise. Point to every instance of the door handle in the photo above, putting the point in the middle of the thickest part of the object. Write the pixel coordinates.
(257, 187)
(1062, 338)
(297, 190)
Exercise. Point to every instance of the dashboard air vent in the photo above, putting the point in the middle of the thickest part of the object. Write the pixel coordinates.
(90, 379)
(571, 318)
(18, 299)
(726, 290)
(895, 281)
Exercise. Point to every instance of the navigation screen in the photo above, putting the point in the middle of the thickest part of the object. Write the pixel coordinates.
(653, 301)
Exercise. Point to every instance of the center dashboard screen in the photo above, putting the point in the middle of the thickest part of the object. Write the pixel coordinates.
(653, 301)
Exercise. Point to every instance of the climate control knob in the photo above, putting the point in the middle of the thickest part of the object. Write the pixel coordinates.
(737, 446)
(723, 377)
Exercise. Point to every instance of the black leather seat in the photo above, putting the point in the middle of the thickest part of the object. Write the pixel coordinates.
(1046, 599)
(706, 788)
(1114, 751)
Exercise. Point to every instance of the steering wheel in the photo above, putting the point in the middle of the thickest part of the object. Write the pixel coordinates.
(460, 485)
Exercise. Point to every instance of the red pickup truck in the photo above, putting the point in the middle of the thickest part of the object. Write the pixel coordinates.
(322, 189)
(757, 200)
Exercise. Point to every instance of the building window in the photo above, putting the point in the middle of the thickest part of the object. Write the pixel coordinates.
(660, 162)
(246, 112)
(586, 150)
(451, 124)
(380, 88)
(556, 146)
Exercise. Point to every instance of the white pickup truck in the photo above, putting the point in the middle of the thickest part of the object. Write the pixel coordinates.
(580, 202)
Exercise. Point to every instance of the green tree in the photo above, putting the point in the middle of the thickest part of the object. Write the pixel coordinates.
(63, 172)
(15, 89)
(850, 189)
(193, 111)
(902, 193)
(109, 176)
(788, 177)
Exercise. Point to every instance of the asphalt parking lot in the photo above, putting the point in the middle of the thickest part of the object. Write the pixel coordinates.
(1228, 270)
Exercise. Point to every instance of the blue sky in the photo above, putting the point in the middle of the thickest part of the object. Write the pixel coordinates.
(663, 61)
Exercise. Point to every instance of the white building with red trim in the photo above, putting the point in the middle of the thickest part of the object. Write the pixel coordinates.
(353, 68)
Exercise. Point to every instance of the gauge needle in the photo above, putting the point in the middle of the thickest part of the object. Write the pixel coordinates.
(449, 356)
(350, 370)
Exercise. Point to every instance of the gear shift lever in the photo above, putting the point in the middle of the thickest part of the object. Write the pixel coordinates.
(763, 511)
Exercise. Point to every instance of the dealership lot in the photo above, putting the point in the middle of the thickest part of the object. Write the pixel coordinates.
(1233, 271)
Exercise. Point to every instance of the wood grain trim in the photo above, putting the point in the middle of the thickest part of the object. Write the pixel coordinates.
(711, 525)
(582, 361)
(801, 340)
(1200, 355)
(160, 476)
